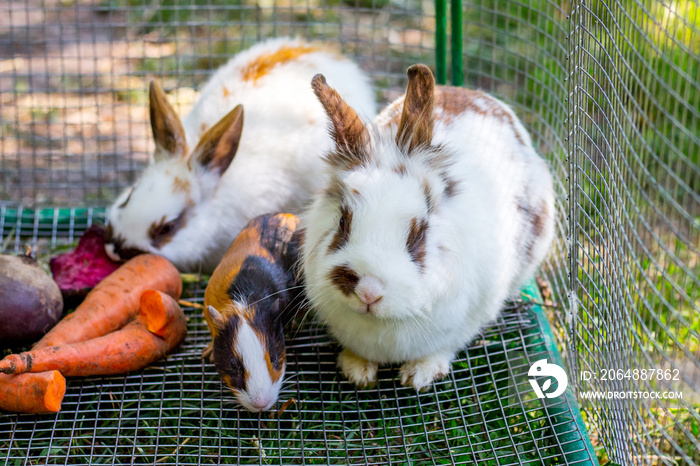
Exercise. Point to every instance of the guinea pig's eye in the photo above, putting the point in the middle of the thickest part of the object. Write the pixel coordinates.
(341, 224)
(237, 372)
(277, 358)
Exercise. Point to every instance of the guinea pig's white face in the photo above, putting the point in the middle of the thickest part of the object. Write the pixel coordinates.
(262, 388)
(250, 354)
(368, 243)
(150, 215)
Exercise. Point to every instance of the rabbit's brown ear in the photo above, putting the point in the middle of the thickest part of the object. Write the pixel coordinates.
(416, 125)
(166, 126)
(218, 146)
(348, 131)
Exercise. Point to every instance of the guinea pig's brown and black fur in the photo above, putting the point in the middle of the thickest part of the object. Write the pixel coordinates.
(250, 298)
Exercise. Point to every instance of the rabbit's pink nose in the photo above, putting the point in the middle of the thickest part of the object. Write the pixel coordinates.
(370, 290)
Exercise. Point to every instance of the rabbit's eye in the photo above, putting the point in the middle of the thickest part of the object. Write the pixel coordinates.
(343, 234)
(415, 242)
(167, 228)
(162, 232)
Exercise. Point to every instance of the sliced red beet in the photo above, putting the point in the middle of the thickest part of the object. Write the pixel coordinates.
(78, 271)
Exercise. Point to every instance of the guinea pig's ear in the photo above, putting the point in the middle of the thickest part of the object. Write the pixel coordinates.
(166, 126)
(218, 146)
(416, 125)
(348, 131)
(217, 319)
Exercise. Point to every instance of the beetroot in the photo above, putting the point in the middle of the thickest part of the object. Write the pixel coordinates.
(30, 302)
(77, 272)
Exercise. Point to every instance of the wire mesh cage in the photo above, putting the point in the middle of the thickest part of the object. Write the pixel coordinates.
(635, 157)
(609, 92)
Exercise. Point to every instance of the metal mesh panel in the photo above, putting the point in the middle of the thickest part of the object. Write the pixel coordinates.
(635, 148)
(518, 51)
(178, 412)
(610, 92)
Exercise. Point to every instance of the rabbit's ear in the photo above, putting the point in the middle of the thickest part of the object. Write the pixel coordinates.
(219, 144)
(166, 126)
(416, 125)
(348, 131)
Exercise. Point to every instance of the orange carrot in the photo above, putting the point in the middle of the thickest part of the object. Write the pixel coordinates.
(131, 348)
(115, 300)
(158, 310)
(39, 393)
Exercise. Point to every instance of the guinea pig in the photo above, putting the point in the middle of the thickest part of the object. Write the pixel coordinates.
(210, 174)
(250, 297)
(429, 220)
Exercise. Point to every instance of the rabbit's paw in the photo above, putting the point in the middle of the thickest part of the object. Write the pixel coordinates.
(357, 370)
(420, 373)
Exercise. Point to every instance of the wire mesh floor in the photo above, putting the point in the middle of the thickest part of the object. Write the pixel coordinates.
(178, 412)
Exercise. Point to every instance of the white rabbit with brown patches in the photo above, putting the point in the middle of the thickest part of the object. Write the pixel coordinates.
(193, 199)
(429, 220)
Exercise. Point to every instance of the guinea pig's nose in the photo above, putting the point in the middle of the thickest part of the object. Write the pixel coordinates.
(260, 404)
(370, 290)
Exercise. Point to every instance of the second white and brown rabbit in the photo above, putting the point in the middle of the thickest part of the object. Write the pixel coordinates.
(193, 199)
(430, 219)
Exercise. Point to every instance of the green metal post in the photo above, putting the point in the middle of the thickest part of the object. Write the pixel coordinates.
(441, 40)
(457, 67)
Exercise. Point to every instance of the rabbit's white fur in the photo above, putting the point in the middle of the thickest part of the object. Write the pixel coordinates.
(487, 186)
(276, 168)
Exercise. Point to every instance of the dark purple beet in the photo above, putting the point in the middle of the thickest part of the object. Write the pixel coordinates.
(78, 271)
(30, 301)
